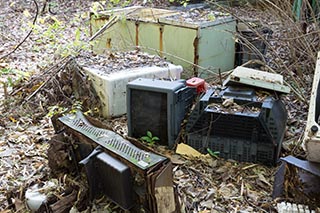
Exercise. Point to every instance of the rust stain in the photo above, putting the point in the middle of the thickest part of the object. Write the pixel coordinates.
(161, 41)
(196, 55)
(100, 18)
(137, 33)
(97, 21)
(109, 43)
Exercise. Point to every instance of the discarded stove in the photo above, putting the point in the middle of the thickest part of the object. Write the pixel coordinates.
(128, 174)
(158, 106)
(239, 121)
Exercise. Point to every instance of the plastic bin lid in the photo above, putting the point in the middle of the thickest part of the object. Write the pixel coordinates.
(256, 78)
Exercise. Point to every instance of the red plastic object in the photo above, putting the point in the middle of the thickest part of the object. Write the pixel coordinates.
(199, 83)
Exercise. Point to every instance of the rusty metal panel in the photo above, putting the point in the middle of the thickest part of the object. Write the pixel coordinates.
(179, 41)
(149, 37)
(217, 47)
(207, 44)
(120, 37)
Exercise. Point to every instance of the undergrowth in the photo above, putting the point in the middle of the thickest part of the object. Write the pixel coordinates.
(296, 57)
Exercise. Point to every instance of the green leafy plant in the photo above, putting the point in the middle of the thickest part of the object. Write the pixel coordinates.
(214, 154)
(14, 76)
(53, 110)
(149, 138)
(50, 32)
(5, 71)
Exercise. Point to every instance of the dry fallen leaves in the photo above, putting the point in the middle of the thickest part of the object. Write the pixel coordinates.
(117, 61)
(204, 185)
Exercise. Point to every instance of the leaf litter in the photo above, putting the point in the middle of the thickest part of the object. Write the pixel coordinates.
(117, 61)
(203, 184)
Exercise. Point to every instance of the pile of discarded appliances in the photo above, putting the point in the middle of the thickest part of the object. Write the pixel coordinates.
(243, 119)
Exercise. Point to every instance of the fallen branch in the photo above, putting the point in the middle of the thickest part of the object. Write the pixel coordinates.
(105, 27)
(27, 36)
(49, 78)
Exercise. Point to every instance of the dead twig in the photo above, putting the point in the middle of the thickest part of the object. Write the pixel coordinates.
(48, 79)
(54, 67)
(27, 36)
(111, 22)
(5, 90)
(297, 93)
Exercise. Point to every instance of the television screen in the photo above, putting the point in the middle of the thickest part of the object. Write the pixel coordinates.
(108, 176)
(149, 113)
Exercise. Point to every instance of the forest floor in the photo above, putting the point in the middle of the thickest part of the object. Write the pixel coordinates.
(204, 184)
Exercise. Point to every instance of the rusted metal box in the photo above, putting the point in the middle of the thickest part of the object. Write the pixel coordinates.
(185, 41)
(311, 139)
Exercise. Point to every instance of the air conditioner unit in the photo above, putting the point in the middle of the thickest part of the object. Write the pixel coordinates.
(158, 106)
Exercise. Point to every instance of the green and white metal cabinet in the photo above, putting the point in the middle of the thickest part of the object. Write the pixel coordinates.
(202, 48)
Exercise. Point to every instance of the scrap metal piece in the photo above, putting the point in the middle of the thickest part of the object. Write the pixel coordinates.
(111, 141)
(300, 175)
(313, 168)
(257, 78)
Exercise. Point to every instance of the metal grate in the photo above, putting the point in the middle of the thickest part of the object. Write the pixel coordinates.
(111, 141)
(81, 125)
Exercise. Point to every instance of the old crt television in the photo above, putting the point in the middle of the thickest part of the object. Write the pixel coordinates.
(158, 106)
(126, 172)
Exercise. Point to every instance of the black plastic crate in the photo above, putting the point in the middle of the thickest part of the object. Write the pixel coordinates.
(253, 133)
(235, 148)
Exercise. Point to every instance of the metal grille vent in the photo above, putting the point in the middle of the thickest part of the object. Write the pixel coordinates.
(111, 141)
(81, 125)
(128, 149)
